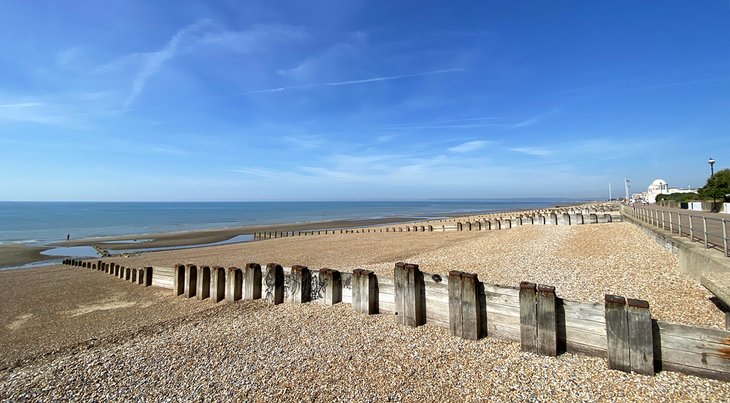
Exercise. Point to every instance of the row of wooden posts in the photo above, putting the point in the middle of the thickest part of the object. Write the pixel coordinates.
(628, 322)
(141, 276)
(476, 225)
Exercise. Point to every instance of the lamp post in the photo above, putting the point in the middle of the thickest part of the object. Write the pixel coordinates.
(712, 173)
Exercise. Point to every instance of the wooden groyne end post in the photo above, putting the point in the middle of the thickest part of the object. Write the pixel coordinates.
(364, 291)
(217, 283)
(234, 284)
(331, 283)
(274, 283)
(410, 295)
(301, 284)
(252, 281)
(464, 306)
(629, 335)
(203, 284)
(179, 280)
(191, 280)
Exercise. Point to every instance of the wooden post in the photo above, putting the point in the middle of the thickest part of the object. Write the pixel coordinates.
(191, 280)
(641, 337)
(364, 291)
(234, 284)
(300, 286)
(134, 276)
(128, 273)
(203, 284)
(331, 281)
(454, 288)
(274, 283)
(617, 333)
(547, 337)
(528, 317)
(470, 307)
(140, 275)
(252, 281)
(148, 276)
(179, 287)
(217, 284)
(409, 295)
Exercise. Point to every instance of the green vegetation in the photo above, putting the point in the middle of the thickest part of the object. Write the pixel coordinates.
(717, 187)
(678, 197)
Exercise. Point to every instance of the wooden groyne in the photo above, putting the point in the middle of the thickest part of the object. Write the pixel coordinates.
(621, 330)
(486, 222)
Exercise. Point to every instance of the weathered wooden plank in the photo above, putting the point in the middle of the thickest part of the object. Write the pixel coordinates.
(641, 342)
(547, 339)
(503, 299)
(191, 279)
(702, 354)
(454, 301)
(252, 281)
(699, 364)
(584, 325)
(300, 286)
(203, 284)
(274, 280)
(178, 278)
(584, 311)
(218, 284)
(528, 317)
(440, 297)
(503, 331)
(693, 332)
(470, 307)
(504, 290)
(234, 284)
(386, 307)
(386, 288)
(332, 286)
(617, 333)
(410, 295)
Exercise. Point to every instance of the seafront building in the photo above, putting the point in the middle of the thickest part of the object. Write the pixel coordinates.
(658, 187)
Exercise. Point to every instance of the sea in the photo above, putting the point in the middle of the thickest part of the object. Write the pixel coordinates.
(40, 223)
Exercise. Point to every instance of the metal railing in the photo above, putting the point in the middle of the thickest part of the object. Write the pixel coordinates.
(711, 231)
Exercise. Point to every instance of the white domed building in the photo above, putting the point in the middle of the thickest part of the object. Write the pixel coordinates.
(661, 187)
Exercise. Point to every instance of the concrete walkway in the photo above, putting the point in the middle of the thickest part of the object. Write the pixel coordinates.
(708, 228)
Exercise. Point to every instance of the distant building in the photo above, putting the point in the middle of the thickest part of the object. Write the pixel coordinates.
(661, 187)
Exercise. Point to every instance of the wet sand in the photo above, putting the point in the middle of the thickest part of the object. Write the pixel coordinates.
(17, 255)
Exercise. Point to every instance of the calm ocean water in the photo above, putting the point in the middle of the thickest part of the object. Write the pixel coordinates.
(44, 222)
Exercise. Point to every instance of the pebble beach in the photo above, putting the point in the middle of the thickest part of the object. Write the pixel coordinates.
(104, 339)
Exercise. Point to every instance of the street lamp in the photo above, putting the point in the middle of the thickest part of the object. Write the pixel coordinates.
(712, 173)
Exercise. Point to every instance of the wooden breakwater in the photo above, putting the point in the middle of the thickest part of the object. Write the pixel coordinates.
(621, 330)
(564, 216)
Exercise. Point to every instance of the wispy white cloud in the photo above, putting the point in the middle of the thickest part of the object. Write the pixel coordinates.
(66, 56)
(469, 146)
(22, 105)
(348, 82)
(538, 152)
(254, 38)
(397, 77)
(155, 60)
(305, 141)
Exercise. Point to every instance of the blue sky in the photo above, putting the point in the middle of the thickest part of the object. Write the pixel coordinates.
(359, 100)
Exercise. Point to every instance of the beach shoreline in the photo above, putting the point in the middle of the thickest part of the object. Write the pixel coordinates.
(84, 323)
(17, 256)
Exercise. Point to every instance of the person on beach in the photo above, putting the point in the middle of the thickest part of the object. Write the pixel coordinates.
(68, 237)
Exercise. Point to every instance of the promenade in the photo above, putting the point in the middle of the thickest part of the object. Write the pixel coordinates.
(711, 229)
